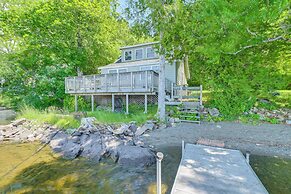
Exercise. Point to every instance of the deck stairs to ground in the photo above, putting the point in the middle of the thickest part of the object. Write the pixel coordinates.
(188, 101)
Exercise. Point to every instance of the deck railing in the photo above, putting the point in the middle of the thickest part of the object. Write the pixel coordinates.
(138, 81)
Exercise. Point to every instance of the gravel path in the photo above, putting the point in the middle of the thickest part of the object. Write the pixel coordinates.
(264, 139)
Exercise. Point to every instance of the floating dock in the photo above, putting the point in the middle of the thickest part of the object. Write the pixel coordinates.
(211, 170)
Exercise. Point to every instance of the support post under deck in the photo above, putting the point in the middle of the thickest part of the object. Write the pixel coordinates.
(126, 96)
(145, 103)
(76, 103)
(112, 102)
(92, 103)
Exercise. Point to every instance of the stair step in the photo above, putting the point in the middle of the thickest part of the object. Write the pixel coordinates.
(190, 121)
(185, 116)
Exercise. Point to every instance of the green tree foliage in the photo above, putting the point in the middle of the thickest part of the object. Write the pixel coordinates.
(237, 49)
(45, 41)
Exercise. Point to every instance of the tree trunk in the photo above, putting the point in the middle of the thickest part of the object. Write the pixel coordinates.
(162, 79)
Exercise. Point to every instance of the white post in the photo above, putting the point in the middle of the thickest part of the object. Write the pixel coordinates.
(94, 83)
(112, 102)
(92, 103)
(248, 157)
(160, 157)
(145, 103)
(172, 91)
(183, 148)
(126, 96)
(76, 103)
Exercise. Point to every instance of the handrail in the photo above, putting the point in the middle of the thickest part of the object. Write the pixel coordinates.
(136, 81)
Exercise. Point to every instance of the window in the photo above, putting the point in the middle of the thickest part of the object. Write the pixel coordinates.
(150, 53)
(138, 54)
(128, 55)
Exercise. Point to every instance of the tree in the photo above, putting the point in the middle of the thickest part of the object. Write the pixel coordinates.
(54, 38)
(237, 49)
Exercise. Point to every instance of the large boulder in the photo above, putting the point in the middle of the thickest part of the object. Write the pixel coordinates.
(93, 148)
(144, 128)
(71, 149)
(58, 141)
(134, 156)
(87, 124)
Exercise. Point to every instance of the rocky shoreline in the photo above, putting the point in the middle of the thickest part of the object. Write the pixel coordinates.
(121, 143)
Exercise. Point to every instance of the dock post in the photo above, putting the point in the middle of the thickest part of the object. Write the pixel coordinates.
(112, 102)
(76, 103)
(160, 157)
(92, 103)
(248, 157)
(126, 96)
(183, 148)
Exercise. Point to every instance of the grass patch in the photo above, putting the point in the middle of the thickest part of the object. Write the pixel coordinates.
(136, 113)
(49, 116)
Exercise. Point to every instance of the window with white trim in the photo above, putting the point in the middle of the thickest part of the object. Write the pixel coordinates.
(151, 53)
(138, 54)
(128, 55)
(117, 70)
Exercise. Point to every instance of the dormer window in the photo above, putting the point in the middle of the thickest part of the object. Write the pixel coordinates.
(138, 54)
(128, 55)
(150, 53)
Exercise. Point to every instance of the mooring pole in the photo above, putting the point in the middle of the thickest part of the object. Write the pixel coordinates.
(160, 157)
(248, 156)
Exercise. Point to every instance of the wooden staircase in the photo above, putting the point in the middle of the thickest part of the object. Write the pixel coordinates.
(188, 101)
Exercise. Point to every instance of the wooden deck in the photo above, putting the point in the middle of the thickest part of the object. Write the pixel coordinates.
(102, 84)
(205, 170)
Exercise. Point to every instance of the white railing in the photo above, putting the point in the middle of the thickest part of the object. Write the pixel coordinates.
(138, 81)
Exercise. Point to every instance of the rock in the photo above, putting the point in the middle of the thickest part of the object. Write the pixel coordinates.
(214, 112)
(288, 122)
(71, 150)
(88, 124)
(58, 141)
(120, 130)
(144, 128)
(25, 134)
(265, 101)
(18, 122)
(93, 149)
(1, 138)
(134, 156)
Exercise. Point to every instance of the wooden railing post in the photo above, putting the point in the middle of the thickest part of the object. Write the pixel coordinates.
(75, 84)
(118, 81)
(84, 84)
(131, 81)
(94, 83)
(106, 84)
(146, 80)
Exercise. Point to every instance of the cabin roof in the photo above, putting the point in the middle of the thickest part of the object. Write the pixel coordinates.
(138, 45)
(131, 63)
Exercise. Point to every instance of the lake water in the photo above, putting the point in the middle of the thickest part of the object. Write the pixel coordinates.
(45, 172)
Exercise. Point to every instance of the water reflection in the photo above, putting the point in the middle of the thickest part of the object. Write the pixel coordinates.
(47, 173)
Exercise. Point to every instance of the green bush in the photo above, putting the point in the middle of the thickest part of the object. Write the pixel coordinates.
(83, 104)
